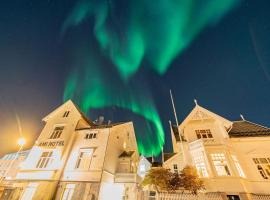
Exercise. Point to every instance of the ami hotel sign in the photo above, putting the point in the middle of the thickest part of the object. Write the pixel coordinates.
(52, 144)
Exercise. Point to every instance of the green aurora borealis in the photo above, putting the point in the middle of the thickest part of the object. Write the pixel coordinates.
(130, 33)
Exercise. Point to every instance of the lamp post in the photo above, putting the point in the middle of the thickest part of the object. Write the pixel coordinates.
(21, 142)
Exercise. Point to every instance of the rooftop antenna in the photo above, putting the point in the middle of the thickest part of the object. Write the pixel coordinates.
(242, 117)
(176, 120)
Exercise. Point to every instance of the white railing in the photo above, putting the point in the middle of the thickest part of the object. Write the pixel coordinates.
(185, 196)
(125, 177)
(260, 197)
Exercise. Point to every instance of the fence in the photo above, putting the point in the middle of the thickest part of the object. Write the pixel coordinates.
(184, 196)
(260, 197)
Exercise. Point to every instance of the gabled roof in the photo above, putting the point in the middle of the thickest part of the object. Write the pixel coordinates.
(167, 156)
(200, 113)
(245, 128)
(68, 103)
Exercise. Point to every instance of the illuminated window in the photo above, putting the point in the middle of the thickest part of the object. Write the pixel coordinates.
(238, 166)
(91, 135)
(220, 164)
(142, 168)
(206, 133)
(29, 191)
(66, 114)
(68, 192)
(263, 166)
(45, 159)
(57, 132)
(199, 162)
(84, 159)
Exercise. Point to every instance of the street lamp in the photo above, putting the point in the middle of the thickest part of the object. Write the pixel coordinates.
(21, 141)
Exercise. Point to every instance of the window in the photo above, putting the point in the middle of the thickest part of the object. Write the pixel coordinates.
(66, 114)
(90, 135)
(263, 166)
(45, 159)
(220, 164)
(57, 132)
(142, 168)
(29, 191)
(175, 168)
(84, 159)
(199, 162)
(68, 192)
(152, 195)
(206, 133)
(238, 166)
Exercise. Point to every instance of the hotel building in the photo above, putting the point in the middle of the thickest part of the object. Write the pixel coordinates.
(76, 159)
(232, 157)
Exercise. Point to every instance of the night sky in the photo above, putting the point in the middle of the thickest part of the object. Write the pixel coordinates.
(226, 68)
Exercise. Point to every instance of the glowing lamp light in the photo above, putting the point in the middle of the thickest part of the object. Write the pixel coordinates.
(21, 141)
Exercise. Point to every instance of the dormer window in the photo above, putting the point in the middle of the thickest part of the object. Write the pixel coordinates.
(91, 135)
(66, 114)
(57, 132)
(204, 133)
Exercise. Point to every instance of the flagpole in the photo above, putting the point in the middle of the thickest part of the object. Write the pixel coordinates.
(176, 120)
(162, 156)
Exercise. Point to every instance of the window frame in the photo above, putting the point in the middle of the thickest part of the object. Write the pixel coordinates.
(91, 135)
(238, 166)
(57, 132)
(66, 114)
(69, 188)
(204, 134)
(80, 157)
(45, 160)
(200, 163)
(221, 164)
(262, 166)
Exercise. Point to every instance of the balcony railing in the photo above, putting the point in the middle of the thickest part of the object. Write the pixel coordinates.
(126, 178)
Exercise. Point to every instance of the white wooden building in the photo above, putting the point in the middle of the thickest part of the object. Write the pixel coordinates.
(75, 159)
(232, 157)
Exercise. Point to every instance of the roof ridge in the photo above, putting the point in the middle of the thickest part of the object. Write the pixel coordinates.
(258, 124)
(252, 123)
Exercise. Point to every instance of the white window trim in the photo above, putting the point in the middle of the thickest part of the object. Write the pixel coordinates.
(84, 150)
(215, 166)
(238, 166)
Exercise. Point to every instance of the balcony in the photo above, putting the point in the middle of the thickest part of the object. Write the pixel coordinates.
(126, 178)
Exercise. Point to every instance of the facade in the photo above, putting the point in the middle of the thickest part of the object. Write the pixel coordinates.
(73, 158)
(9, 167)
(232, 157)
(10, 163)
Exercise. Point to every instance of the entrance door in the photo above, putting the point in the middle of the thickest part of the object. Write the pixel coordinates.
(233, 197)
(29, 191)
